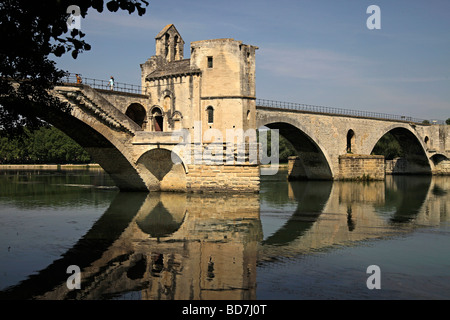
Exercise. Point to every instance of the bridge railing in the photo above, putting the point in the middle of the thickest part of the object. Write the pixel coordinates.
(131, 88)
(102, 84)
(339, 111)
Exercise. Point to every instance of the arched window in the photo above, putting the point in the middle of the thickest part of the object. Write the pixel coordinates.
(176, 120)
(350, 141)
(210, 113)
(167, 103)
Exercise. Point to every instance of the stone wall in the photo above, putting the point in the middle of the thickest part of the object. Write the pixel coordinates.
(361, 167)
(222, 178)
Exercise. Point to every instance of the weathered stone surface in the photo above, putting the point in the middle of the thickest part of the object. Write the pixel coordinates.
(361, 167)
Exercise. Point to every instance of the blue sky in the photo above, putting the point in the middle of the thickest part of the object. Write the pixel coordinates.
(315, 52)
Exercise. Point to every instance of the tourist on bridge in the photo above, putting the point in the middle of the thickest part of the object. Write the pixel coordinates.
(79, 81)
(111, 83)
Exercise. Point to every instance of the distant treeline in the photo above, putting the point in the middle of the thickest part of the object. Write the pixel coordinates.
(44, 145)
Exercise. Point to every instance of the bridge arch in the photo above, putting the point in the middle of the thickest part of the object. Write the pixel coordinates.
(104, 145)
(162, 170)
(137, 113)
(414, 148)
(313, 159)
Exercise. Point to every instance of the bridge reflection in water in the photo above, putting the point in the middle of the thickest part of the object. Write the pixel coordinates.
(190, 246)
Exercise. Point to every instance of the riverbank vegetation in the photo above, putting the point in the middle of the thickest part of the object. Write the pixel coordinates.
(48, 145)
(41, 146)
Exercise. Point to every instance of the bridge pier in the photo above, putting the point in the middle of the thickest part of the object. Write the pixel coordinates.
(351, 167)
(361, 167)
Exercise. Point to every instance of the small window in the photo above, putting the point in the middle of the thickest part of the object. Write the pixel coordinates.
(210, 62)
(350, 141)
(210, 112)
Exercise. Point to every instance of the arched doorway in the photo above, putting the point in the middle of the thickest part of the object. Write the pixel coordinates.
(158, 120)
(137, 113)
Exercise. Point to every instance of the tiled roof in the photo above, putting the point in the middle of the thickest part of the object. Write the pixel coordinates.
(173, 68)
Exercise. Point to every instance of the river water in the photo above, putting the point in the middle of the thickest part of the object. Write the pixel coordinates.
(294, 240)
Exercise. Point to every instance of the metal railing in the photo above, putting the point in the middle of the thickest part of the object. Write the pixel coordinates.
(339, 111)
(71, 78)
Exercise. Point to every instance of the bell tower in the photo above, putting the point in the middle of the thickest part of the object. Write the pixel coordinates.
(169, 44)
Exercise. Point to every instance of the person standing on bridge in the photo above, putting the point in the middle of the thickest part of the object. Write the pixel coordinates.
(79, 81)
(111, 83)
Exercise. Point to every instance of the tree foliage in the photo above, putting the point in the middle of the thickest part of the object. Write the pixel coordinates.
(44, 145)
(30, 32)
(285, 148)
(447, 121)
(389, 147)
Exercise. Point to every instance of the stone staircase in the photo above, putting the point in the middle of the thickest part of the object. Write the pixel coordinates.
(91, 102)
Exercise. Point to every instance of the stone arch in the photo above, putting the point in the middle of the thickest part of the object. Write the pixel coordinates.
(137, 113)
(441, 164)
(415, 159)
(168, 99)
(162, 170)
(314, 161)
(176, 120)
(438, 157)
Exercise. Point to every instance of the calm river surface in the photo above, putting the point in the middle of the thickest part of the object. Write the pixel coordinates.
(294, 240)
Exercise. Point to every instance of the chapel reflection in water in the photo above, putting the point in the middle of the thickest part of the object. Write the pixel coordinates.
(189, 246)
(164, 246)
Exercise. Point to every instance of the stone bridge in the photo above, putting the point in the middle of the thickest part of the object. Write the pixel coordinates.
(327, 142)
(169, 134)
(113, 127)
